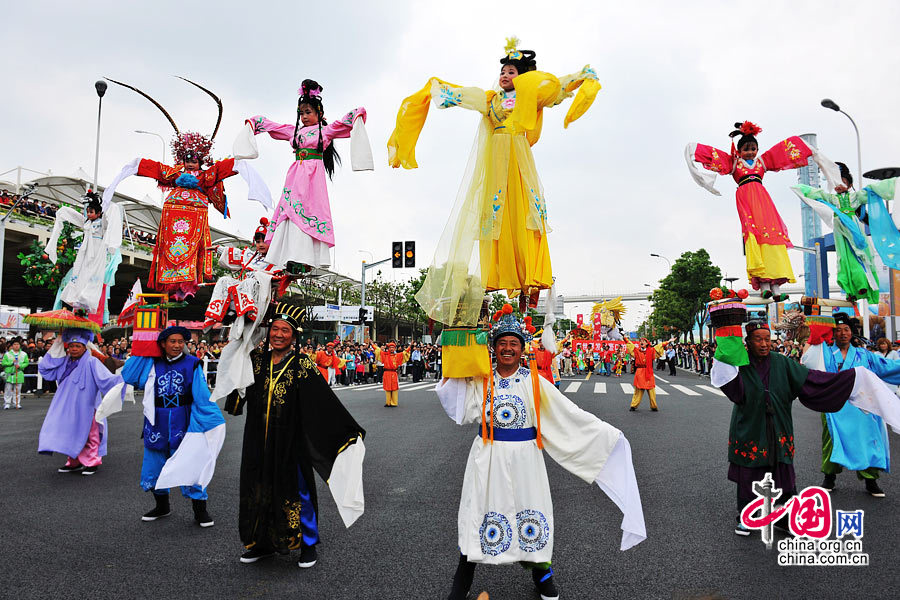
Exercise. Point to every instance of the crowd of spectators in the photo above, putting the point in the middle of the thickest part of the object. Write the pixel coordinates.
(358, 364)
(28, 207)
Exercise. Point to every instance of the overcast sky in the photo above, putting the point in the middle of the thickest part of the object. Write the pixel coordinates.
(616, 183)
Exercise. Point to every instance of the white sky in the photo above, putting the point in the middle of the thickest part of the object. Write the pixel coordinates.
(616, 183)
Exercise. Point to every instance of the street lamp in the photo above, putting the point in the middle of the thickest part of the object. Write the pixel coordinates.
(100, 86)
(662, 257)
(161, 139)
(832, 105)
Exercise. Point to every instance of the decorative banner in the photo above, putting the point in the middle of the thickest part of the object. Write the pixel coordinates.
(579, 318)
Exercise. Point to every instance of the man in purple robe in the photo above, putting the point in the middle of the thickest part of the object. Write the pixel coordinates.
(69, 427)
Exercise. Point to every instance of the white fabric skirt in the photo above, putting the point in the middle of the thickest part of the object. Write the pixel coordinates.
(505, 511)
(290, 243)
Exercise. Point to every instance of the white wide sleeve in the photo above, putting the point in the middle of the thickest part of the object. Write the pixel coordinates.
(461, 399)
(828, 167)
(721, 373)
(244, 147)
(63, 215)
(346, 482)
(112, 237)
(596, 452)
(814, 358)
(360, 148)
(577, 440)
(127, 171)
(617, 480)
(705, 179)
(258, 191)
(872, 395)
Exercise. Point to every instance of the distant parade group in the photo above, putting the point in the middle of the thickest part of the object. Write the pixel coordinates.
(499, 371)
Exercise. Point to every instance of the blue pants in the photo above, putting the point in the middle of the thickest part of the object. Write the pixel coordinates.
(150, 469)
(309, 522)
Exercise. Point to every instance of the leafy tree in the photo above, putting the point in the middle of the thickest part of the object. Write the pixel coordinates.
(39, 271)
(680, 301)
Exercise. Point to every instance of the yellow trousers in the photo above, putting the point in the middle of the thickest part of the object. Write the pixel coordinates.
(639, 395)
(390, 398)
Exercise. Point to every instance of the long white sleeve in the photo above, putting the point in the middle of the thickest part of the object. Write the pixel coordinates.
(618, 481)
(461, 399)
(360, 148)
(63, 215)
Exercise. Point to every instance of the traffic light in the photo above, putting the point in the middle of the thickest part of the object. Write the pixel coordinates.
(397, 255)
(363, 313)
(409, 254)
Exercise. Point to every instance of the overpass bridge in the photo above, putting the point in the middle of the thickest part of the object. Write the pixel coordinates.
(633, 296)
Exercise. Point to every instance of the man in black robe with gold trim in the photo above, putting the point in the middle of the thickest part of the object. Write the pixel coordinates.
(295, 425)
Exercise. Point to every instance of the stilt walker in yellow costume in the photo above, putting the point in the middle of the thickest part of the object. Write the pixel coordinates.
(496, 238)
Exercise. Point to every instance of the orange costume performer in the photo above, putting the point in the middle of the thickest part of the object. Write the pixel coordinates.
(544, 360)
(391, 361)
(326, 359)
(643, 371)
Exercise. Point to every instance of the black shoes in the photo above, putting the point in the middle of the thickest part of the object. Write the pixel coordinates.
(200, 515)
(462, 579)
(162, 508)
(254, 554)
(829, 482)
(308, 557)
(68, 469)
(89, 470)
(873, 489)
(543, 581)
(632, 408)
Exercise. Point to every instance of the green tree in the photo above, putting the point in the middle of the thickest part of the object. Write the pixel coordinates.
(680, 301)
(39, 271)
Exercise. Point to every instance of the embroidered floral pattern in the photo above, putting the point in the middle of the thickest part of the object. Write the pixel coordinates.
(258, 125)
(311, 221)
(292, 512)
(449, 97)
(533, 530)
(495, 534)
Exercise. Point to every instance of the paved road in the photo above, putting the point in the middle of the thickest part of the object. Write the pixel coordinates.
(68, 536)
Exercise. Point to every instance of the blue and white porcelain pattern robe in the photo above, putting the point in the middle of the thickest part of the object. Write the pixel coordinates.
(505, 510)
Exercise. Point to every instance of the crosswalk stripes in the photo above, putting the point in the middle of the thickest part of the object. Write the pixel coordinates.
(661, 379)
(627, 388)
(709, 388)
(572, 387)
(686, 390)
(420, 386)
(599, 388)
(661, 391)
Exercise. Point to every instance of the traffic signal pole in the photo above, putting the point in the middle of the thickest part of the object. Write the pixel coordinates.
(362, 294)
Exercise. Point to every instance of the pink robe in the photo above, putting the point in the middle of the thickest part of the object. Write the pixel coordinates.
(304, 199)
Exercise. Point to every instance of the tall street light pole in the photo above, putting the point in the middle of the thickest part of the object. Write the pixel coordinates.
(163, 141)
(100, 86)
(831, 104)
(664, 258)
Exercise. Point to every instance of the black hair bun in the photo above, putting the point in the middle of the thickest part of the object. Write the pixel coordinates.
(310, 85)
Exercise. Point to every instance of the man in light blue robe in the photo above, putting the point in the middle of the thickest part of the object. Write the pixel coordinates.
(851, 438)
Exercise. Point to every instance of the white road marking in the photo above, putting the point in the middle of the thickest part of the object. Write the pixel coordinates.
(599, 388)
(627, 388)
(661, 392)
(686, 390)
(661, 379)
(709, 388)
(573, 387)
